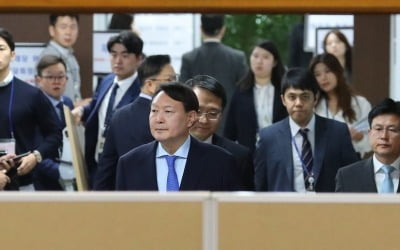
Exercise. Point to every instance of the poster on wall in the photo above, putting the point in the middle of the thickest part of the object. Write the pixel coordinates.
(101, 57)
(26, 58)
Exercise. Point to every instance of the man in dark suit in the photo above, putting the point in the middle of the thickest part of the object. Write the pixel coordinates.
(380, 172)
(304, 151)
(175, 160)
(215, 59)
(212, 101)
(52, 78)
(129, 126)
(116, 90)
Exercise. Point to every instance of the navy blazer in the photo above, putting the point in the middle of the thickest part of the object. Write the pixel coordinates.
(91, 119)
(358, 177)
(46, 175)
(241, 122)
(207, 168)
(274, 157)
(128, 129)
(244, 160)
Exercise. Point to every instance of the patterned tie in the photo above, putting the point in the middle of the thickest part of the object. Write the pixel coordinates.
(306, 154)
(387, 184)
(110, 107)
(60, 107)
(172, 178)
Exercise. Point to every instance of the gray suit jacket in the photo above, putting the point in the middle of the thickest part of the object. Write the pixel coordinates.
(358, 177)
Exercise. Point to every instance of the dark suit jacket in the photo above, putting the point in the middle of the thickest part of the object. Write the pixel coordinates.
(244, 160)
(241, 122)
(215, 59)
(46, 175)
(274, 158)
(207, 168)
(358, 177)
(91, 119)
(129, 128)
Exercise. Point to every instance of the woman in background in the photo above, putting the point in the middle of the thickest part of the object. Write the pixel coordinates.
(336, 43)
(256, 102)
(339, 102)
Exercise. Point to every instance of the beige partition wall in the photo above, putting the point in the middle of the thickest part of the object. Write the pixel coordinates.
(289, 221)
(49, 221)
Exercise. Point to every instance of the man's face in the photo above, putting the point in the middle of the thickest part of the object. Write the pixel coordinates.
(52, 80)
(6, 56)
(384, 137)
(123, 63)
(65, 31)
(209, 115)
(299, 104)
(169, 122)
(167, 74)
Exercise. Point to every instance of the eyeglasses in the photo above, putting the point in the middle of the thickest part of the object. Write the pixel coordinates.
(392, 131)
(54, 78)
(210, 115)
(170, 78)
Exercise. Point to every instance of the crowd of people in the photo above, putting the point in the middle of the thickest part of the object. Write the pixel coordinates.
(221, 126)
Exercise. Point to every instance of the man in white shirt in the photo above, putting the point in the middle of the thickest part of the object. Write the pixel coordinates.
(115, 91)
(380, 172)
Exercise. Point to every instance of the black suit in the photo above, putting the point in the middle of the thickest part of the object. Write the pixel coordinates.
(358, 177)
(208, 167)
(128, 129)
(241, 122)
(243, 158)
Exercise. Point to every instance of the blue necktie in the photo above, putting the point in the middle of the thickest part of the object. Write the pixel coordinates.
(306, 155)
(172, 178)
(387, 184)
(60, 107)
(110, 107)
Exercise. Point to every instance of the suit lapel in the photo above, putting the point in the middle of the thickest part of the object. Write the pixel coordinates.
(131, 94)
(285, 146)
(192, 173)
(321, 141)
(369, 176)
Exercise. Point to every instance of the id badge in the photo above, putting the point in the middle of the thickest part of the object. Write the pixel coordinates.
(7, 145)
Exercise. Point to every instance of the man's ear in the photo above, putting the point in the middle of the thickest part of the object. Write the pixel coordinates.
(192, 118)
(283, 100)
(51, 31)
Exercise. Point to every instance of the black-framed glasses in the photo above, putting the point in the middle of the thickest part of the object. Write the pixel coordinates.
(54, 78)
(210, 115)
(169, 78)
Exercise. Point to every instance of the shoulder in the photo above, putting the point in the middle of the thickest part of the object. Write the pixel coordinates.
(140, 152)
(273, 129)
(68, 102)
(50, 50)
(360, 101)
(356, 167)
(24, 87)
(231, 146)
(210, 150)
(325, 122)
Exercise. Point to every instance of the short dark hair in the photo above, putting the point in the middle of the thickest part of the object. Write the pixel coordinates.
(299, 78)
(47, 61)
(121, 22)
(53, 17)
(212, 23)
(152, 66)
(387, 106)
(181, 93)
(208, 83)
(132, 42)
(8, 38)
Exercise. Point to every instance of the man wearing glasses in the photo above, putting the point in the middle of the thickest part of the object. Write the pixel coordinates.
(380, 172)
(129, 126)
(52, 79)
(212, 101)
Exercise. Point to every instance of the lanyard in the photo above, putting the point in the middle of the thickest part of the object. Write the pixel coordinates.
(10, 104)
(301, 160)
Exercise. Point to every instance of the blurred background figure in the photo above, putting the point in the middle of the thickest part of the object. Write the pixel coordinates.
(336, 43)
(338, 100)
(256, 102)
(122, 22)
(297, 56)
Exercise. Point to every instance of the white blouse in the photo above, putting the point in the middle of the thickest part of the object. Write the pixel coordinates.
(264, 101)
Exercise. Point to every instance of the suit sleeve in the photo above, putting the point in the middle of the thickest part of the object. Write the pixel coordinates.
(349, 155)
(185, 73)
(243, 68)
(120, 179)
(230, 123)
(260, 165)
(105, 174)
(339, 182)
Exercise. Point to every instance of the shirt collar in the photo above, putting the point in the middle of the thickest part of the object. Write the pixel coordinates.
(63, 50)
(125, 83)
(294, 127)
(145, 96)
(182, 151)
(53, 100)
(211, 40)
(378, 164)
(7, 80)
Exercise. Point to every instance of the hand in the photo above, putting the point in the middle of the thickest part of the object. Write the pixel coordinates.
(355, 135)
(27, 164)
(77, 113)
(4, 180)
(6, 162)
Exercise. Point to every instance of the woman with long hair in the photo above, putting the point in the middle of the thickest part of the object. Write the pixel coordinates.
(338, 100)
(256, 102)
(336, 43)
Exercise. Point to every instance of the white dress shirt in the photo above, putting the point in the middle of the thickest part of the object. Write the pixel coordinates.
(380, 175)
